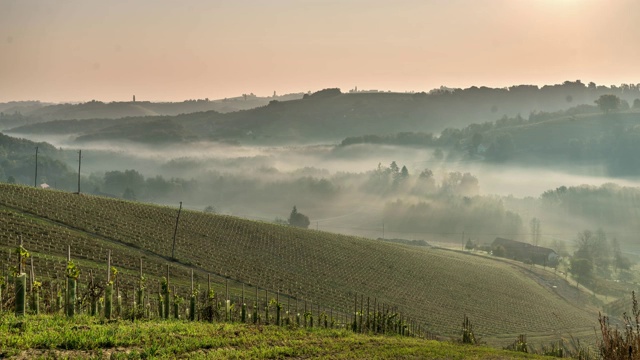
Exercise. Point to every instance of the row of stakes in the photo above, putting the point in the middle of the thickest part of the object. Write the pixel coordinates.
(383, 320)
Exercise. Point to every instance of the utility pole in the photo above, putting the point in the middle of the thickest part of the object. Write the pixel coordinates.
(383, 230)
(175, 232)
(35, 179)
(79, 164)
(463, 240)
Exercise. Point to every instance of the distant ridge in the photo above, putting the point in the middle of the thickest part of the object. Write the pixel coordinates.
(330, 116)
(20, 112)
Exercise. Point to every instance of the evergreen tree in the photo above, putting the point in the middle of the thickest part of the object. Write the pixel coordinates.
(298, 219)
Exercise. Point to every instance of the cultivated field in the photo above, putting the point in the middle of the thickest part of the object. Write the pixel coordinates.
(435, 287)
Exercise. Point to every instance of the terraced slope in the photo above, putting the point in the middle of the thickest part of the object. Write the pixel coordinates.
(435, 286)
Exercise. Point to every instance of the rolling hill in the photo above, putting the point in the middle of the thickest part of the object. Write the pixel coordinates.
(20, 113)
(433, 286)
(329, 115)
(554, 136)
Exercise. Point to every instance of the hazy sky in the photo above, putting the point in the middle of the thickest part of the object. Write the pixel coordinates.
(78, 50)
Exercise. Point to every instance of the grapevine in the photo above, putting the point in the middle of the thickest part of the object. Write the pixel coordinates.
(72, 272)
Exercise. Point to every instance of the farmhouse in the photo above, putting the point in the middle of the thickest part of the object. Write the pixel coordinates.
(524, 252)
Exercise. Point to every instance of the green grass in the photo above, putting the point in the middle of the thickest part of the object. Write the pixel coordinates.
(49, 336)
(435, 287)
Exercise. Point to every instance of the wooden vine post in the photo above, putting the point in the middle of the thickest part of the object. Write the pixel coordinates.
(383, 327)
(368, 326)
(177, 300)
(35, 291)
(375, 315)
(211, 301)
(93, 310)
(331, 321)
(227, 302)
(243, 316)
(2, 284)
(165, 294)
(59, 297)
(255, 308)
(288, 320)
(160, 302)
(325, 318)
(305, 314)
(175, 233)
(311, 315)
(192, 302)
(278, 308)
(118, 296)
(108, 292)
(140, 293)
(72, 274)
(266, 306)
(361, 312)
(21, 281)
(297, 314)
(354, 326)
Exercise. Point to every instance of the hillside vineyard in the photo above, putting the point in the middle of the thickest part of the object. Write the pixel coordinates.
(433, 286)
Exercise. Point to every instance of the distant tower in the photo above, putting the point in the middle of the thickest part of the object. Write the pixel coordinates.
(134, 98)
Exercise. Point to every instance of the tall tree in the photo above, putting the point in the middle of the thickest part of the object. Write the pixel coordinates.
(608, 103)
(401, 176)
(535, 231)
(298, 219)
(404, 173)
(594, 249)
(394, 168)
(582, 269)
(476, 141)
(620, 262)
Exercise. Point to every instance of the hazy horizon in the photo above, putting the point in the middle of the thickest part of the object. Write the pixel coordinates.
(159, 51)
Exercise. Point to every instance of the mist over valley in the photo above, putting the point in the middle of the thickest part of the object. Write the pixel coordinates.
(320, 179)
(484, 179)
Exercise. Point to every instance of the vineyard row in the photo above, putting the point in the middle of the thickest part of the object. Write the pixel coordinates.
(23, 293)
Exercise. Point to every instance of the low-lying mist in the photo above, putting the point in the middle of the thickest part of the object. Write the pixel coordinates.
(198, 157)
(367, 190)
